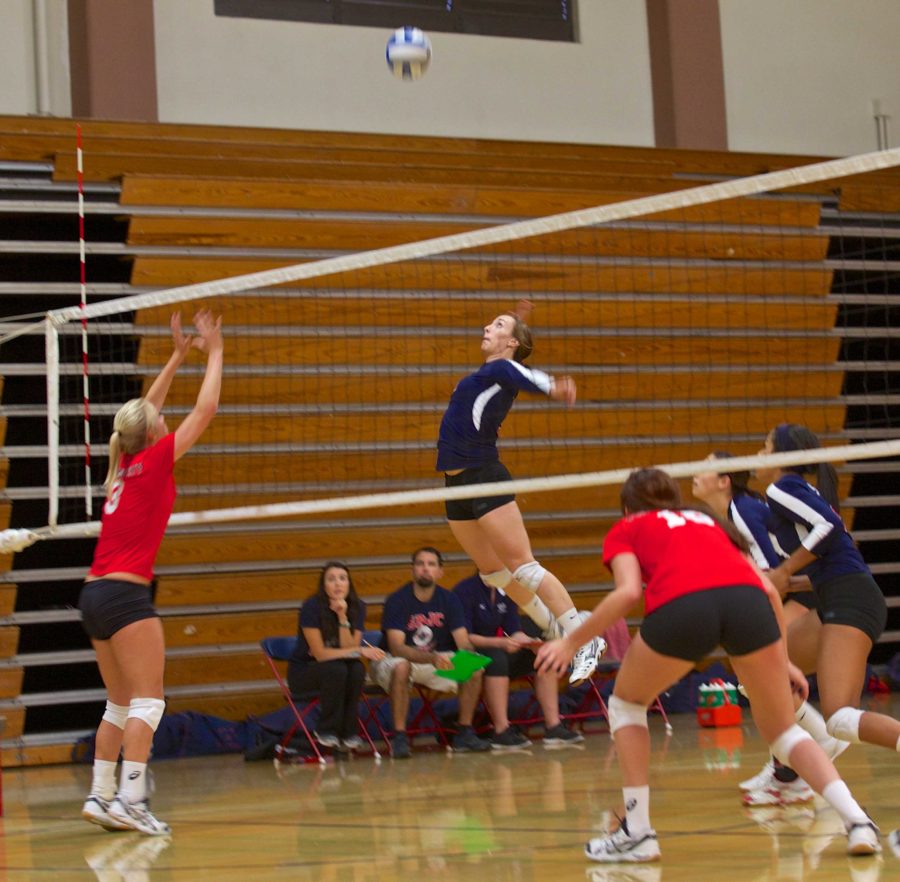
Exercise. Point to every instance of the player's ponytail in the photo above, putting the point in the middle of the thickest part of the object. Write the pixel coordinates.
(790, 436)
(131, 433)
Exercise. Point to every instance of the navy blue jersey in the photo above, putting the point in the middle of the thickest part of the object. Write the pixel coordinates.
(477, 408)
(483, 617)
(800, 516)
(751, 517)
(426, 626)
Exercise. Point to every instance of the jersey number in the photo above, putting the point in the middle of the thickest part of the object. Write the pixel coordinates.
(680, 518)
(115, 494)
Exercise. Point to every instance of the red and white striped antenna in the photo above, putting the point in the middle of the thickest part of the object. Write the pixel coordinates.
(88, 494)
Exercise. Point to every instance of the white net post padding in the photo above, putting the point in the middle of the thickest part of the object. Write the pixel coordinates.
(51, 346)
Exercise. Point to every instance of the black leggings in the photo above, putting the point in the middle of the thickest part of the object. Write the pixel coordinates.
(339, 684)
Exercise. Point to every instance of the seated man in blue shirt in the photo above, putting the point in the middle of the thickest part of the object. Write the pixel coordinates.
(495, 629)
(423, 626)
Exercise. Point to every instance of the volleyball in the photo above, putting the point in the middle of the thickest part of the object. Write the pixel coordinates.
(408, 53)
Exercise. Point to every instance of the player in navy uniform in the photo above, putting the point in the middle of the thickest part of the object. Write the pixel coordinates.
(850, 604)
(490, 528)
(729, 496)
(701, 592)
(116, 604)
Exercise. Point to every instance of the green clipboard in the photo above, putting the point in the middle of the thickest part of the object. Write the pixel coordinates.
(465, 664)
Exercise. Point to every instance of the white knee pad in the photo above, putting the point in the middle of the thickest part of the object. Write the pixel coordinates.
(116, 714)
(530, 575)
(782, 746)
(625, 713)
(148, 710)
(500, 579)
(844, 724)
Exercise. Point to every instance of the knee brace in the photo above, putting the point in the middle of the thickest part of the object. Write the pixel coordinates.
(782, 746)
(530, 575)
(844, 724)
(116, 714)
(500, 579)
(625, 713)
(148, 710)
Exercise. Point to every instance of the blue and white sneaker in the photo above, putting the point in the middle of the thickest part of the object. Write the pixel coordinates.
(96, 811)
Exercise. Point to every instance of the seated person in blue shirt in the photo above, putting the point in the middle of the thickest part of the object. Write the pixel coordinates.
(423, 626)
(328, 653)
(495, 629)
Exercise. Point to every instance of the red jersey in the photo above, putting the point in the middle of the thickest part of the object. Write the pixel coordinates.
(136, 511)
(679, 552)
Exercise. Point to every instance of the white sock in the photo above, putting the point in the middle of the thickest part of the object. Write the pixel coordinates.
(537, 611)
(103, 782)
(810, 720)
(837, 794)
(898, 745)
(637, 809)
(133, 781)
(569, 620)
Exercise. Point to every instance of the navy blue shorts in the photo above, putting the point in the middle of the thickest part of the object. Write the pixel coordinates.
(739, 618)
(854, 600)
(472, 509)
(108, 605)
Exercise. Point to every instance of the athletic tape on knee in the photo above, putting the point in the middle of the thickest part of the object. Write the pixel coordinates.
(625, 713)
(782, 746)
(148, 710)
(500, 579)
(530, 575)
(116, 714)
(844, 724)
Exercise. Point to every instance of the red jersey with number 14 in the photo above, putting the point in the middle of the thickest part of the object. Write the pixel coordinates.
(136, 511)
(679, 552)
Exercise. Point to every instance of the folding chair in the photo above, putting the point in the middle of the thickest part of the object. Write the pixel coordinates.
(423, 721)
(592, 705)
(280, 649)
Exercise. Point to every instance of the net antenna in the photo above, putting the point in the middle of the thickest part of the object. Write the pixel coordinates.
(482, 239)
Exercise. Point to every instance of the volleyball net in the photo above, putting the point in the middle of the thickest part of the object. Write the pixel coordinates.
(693, 319)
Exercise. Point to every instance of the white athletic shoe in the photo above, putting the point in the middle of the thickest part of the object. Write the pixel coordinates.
(96, 811)
(137, 816)
(585, 662)
(894, 841)
(761, 779)
(622, 847)
(863, 839)
(780, 793)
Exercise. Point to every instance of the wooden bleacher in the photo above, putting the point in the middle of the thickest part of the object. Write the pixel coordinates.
(200, 201)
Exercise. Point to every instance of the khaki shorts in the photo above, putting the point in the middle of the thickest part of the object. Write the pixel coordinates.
(423, 674)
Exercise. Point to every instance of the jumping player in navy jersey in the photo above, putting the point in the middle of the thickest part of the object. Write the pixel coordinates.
(116, 603)
(490, 528)
(729, 496)
(702, 591)
(850, 604)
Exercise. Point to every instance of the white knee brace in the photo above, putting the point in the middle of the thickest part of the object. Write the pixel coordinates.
(782, 746)
(530, 575)
(148, 710)
(116, 714)
(500, 579)
(625, 713)
(844, 724)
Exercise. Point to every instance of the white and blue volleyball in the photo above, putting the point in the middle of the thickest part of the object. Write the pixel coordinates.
(408, 53)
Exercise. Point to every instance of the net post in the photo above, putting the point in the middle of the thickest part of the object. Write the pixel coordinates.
(51, 348)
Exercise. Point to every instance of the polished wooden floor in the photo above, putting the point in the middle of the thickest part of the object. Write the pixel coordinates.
(516, 817)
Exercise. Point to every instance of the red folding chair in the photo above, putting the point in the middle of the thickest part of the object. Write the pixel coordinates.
(592, 705)
(280, 649)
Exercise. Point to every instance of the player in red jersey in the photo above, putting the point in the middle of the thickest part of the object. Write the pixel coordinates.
(116, 602)
(701, 592)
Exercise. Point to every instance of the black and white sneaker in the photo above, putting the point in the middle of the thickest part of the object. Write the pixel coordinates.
(326, 739)
(510, 739)
(96, 811)
(622, 847)
(466, 741)
(561, 736)
(137, 816)
(863, 838)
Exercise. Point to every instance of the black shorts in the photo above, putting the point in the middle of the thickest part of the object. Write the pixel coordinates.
(805, 598)
(506, 664)
(108, 605)
(854, 600)
(739, 618)
(472, 509)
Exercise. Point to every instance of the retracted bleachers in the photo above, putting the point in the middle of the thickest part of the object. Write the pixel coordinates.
(192, 203)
